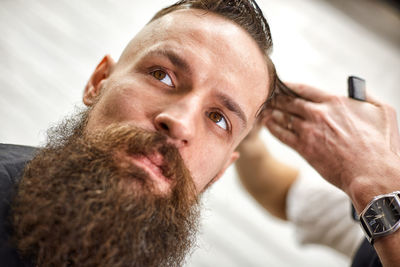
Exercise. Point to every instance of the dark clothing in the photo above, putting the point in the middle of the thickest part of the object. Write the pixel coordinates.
(366, 256)
(13, 159)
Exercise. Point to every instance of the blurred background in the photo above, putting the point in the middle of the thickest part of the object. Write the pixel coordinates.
(48, 50)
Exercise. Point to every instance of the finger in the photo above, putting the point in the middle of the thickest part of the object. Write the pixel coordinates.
(296, 125)
(393, 128)
(373, 100)
(265, 115)
(308, 92)
(287, 121)
(392, 118)
(283, 134)
(281, 118)
(297, 106)
(395, 135)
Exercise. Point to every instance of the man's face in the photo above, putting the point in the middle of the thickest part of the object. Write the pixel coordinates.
(197, 78)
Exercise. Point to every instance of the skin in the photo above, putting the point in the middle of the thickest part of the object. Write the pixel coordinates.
(267, 179)
(182, 98)
(354, 145)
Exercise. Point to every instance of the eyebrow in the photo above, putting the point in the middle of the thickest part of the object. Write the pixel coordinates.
(174, 57)
(181, 63)
(230, 104)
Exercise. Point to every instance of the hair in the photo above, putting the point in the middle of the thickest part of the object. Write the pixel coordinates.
(248, 15)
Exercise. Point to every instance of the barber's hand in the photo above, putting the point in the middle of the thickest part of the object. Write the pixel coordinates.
(354, 145)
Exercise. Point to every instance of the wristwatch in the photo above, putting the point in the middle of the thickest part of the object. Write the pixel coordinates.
(381, 217)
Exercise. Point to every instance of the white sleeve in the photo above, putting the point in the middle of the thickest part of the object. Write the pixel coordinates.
(321, 214)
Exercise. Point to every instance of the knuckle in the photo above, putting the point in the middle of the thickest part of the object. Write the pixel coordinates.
(318, 114)
(308, 107)
(390, 109)
(306, 136)
(300, 103)
(336, 99)
(301, 87)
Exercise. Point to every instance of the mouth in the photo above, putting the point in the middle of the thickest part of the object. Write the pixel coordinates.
(152, 165)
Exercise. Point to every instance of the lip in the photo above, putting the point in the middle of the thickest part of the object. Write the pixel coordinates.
(152, 165)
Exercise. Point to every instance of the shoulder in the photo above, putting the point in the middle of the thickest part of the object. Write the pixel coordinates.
(9, 152)
(13, 159)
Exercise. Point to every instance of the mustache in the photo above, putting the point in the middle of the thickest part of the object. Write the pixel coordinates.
(134, 141)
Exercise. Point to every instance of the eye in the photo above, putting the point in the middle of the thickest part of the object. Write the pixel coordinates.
(219, 119)
(162, 76)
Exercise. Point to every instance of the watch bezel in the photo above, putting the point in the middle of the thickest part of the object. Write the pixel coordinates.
(364, 221)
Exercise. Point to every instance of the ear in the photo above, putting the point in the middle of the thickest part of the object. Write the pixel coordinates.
(234, 156)
(93, 86)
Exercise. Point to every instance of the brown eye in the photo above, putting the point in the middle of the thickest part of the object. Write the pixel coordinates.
(219, 119)
(159, 74)
(215, 116)
(163, 77)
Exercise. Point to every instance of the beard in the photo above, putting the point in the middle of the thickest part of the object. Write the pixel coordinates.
(82, 202)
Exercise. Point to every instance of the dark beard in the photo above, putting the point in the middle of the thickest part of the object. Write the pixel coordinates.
(80, 203)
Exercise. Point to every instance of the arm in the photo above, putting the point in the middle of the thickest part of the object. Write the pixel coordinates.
(354, 145)
(264, 177)
(278, 187)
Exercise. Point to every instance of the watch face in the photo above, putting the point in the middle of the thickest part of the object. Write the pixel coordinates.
(382, 215)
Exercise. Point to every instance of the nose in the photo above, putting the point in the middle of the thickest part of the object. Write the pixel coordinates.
(177, 121)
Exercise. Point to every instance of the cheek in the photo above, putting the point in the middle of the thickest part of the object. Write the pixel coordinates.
(110, 108)
(123, 103)
(205, 161)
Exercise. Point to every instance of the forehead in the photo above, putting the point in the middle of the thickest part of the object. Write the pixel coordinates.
(221, 54)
